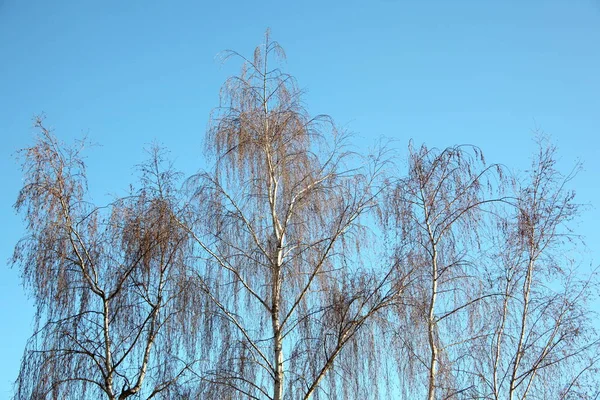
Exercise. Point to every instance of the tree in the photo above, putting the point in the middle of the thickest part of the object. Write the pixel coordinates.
(437, 209)
(495, 309)
(542, 341)
(278, 224)
(295, 268)
(106, 281)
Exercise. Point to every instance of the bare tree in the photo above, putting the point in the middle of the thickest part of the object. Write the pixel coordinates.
(278, 224)
(542, 343)
(437, 211)
(295, 268)
(103, 280)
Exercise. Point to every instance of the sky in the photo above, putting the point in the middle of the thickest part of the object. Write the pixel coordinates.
(128, 73)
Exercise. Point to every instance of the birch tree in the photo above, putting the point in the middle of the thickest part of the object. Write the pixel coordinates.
(437, 210)
(278, 225)
(542, 343)
(295, 268)
(103, 281)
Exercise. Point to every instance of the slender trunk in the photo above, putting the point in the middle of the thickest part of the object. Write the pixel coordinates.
(431, 327)
(519, 352)
(277, 328)
(499, 335)
(431, 321)
(107, 352)
(542, 357)
(278, 238)
(278, 355)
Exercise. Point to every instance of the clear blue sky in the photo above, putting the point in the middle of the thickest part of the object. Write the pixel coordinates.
(441, 72)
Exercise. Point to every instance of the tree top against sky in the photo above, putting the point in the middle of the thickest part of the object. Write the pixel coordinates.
(442, 73)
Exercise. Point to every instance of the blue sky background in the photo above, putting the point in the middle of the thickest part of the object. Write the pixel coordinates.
(125, 73)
